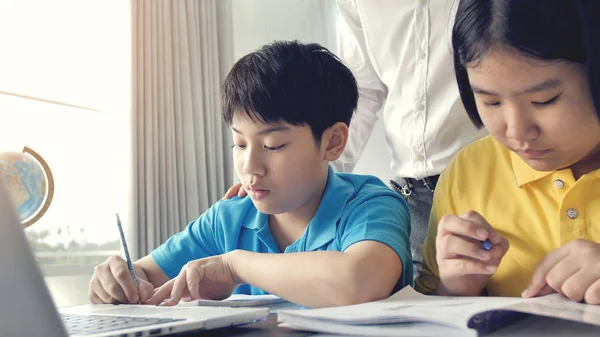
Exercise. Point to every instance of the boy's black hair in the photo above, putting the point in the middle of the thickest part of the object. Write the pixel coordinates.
(291, 82)
(567, 30)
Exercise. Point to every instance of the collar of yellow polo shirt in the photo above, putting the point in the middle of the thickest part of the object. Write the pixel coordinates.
(537, 212)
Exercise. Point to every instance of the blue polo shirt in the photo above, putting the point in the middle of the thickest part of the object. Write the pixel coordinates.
(354, 208)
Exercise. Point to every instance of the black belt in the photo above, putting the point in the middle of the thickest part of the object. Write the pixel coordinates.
(405, 186)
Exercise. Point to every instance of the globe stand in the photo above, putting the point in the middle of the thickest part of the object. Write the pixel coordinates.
(50, 187)
(25, 192)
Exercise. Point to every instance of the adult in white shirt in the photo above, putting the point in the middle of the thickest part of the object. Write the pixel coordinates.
(400, 53)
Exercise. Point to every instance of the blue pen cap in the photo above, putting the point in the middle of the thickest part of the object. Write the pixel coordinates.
(487, 244)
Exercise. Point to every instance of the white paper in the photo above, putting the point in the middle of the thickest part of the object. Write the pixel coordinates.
(381, 330)
(445, 312)
(238, 300)
(558, 306)
(407, 305)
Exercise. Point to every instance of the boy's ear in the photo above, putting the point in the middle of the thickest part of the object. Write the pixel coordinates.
(334, 140)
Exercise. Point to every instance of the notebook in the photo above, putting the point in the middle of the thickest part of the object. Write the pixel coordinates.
(27, 308)
(409, 313)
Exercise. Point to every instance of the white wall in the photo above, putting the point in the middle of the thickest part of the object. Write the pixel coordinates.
(246, 25)
(376, 158)
(257, 22)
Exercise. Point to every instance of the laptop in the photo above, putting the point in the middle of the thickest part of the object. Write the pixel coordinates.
(27, 308)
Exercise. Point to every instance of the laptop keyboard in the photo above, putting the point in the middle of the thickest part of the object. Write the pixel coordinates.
(92, 324)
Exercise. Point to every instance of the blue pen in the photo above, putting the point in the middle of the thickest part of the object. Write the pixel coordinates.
(126, 251)
(487, 244)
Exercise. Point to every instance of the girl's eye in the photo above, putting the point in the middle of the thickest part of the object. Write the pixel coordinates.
(548, 102)
(238, 146)
(273, 148)
(491, 103)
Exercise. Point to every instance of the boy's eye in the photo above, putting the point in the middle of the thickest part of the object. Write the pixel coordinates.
(239, 146)
(273, 148)
(491, 103)
(548, 102)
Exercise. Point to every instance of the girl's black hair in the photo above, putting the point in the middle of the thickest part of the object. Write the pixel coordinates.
(567, 30)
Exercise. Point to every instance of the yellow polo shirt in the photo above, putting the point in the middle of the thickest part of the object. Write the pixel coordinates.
(537, 212)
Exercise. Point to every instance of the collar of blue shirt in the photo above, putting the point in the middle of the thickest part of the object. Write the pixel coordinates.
(322, 228)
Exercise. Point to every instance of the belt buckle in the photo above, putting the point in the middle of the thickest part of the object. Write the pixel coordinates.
(406, 190)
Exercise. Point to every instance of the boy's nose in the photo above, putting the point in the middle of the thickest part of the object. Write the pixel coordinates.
(253, 163)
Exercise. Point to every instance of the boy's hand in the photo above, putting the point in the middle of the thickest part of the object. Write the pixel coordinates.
(112, 283)
(572, 270)
(464, 266)
(234, 190)
(207, 278)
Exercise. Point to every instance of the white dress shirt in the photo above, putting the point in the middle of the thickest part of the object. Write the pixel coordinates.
(400, 52)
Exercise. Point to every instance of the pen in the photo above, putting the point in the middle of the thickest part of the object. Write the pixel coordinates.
(487, 244)
(126, 251)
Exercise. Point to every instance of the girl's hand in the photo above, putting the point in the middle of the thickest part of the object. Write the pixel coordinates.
(572, 270)
(464, 265)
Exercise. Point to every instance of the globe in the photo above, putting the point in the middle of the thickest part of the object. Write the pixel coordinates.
(29, 182)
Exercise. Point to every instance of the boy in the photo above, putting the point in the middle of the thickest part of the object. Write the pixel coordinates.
(344, 238)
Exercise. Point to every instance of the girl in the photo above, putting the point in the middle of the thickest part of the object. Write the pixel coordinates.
(529, 71)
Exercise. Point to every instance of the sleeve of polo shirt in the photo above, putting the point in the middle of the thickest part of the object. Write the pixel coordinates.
(385, 219)
(429, 275)
(196, 241)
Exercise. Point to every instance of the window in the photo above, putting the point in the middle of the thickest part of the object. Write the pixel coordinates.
(65, 93)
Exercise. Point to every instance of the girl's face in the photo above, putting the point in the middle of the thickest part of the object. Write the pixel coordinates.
(541, 110)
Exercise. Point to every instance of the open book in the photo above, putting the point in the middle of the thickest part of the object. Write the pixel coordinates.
(408, 312)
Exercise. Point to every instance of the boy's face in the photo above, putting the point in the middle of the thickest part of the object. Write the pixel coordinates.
(543, 111)
(279, 165)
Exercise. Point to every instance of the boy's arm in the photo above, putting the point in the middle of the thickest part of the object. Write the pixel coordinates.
(371, 254)
(147, 269)
(112, 281)
(198, 240)
(366, 271)
(373, 238)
